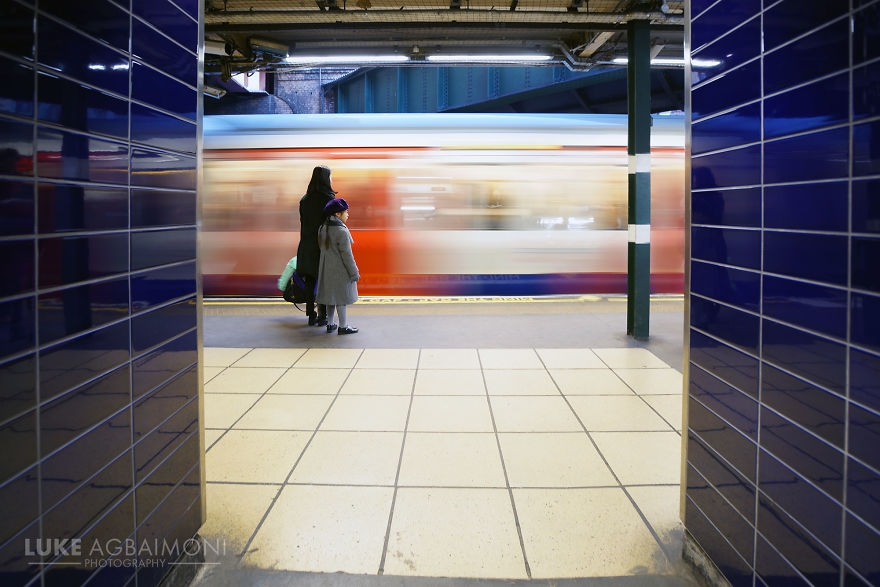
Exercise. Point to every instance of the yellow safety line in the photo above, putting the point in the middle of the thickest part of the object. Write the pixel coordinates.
(447, 300)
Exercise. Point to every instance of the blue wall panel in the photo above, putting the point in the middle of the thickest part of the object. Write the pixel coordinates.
(783, 452)
(98, 303)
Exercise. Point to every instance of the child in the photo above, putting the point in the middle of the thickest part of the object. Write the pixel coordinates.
(337, 272)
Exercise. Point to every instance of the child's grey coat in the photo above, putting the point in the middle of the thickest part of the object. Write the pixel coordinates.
(337, 271)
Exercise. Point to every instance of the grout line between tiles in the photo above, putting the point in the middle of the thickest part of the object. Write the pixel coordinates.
(254, 483)
(519, 533)
(443, 487)
(259, 525)
(659, 415)
(226, 429)
(642, 396)
(623, 487)
(381, 570)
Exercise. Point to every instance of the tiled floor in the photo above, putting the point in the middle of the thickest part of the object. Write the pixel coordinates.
(453, 462)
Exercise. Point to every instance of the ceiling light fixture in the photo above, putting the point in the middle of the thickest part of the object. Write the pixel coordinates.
(476, 58)
(345, 59)
(674, 61)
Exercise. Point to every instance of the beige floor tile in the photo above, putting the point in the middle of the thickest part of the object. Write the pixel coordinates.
(589, 382)
(637, 458)
(565, 459)
(652, 381)
(449, 382)
(593, 532)
(533, 414)
(244, 380)
(660, 506)
(286, 412)
(453, 515)
(510, 359)
(629, 358)
(361, 412)
(520, 382)
(449, 359)
(446, 532)
(222, 356)
(211, 436)
(389, 359)
(324, 530)
(380, 382)
(668, 406)
(223, 409)
(234, 511)
(451, 460)
(270, 358)
(450, 414)
(305, 381)
(350, 458)
(570, 359)
(261, 456)
(616, 412)
(208, 373)
(330, 358)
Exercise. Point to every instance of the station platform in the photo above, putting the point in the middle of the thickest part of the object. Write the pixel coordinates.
(481, 441)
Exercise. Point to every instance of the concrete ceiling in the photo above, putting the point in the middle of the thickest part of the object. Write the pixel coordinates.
(248, 35)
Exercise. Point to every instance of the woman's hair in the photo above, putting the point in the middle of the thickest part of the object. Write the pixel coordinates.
(327, 234)
(320, 181)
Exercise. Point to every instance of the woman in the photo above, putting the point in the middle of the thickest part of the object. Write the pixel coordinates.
(311, 216)
(338, 273)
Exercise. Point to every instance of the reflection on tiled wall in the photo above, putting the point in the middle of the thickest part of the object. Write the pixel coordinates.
(98, 336)
(783, 465)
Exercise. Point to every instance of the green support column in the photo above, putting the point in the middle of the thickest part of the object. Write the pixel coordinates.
(638, 304)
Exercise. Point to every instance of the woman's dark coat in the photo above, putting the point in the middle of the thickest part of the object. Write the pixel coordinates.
(338, 274)
(311, 216)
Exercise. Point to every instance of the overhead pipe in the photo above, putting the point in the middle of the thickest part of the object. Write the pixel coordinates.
(570, 61)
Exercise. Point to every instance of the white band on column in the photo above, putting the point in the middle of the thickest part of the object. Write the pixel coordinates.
(640, 163)
(640, 233)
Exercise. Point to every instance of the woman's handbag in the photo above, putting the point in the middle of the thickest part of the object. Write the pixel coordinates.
(296, 291)
(295, 288)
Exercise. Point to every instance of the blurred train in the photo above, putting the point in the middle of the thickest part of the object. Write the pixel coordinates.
(442, 204)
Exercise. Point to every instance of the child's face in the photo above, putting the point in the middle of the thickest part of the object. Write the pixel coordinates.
(343, 215)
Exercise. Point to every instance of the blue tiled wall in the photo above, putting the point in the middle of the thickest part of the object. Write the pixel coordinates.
(98, 295)
(783, 445)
